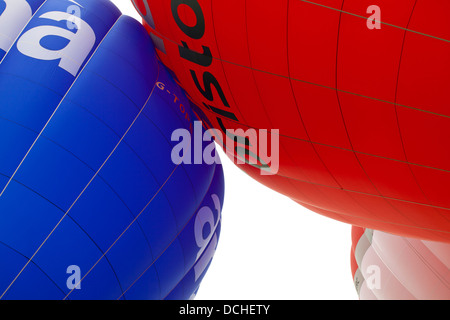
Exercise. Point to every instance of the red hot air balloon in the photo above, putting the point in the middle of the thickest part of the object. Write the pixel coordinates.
(357, 93)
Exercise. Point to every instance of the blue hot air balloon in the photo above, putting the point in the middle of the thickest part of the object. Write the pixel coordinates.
(91, 204)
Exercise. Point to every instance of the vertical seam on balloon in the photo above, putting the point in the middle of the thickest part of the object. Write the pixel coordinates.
(75, 222)
(20, 33)
(51, 117)
(317, 84)
(352, 150)
(442, 256)
(136, 154)
(42, 130)
(342, 91)
(383, 259)
(391, 275)
(296, 102)
(348, 150)
(144, 115)
(346, 190)
(98, 171)
(184, 169)
(180, 61)
(214, 233)
(366, 193)
(222, 64)
(381, 22)
(175, 237)
(425, 261)
(380, 196)
(396, 110)
(250, 67)
(345, 125)
(145, 236)
(165, 195)
(183, 62)
(166, 19)
(36, 265)
(88, 166)
(295, 99)
(62, 210)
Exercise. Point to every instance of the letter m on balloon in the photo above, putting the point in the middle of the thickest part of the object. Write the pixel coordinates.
(81, 40)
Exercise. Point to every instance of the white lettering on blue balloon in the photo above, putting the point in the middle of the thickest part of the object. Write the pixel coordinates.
(206, 216)
(13, 19)
(73, 55)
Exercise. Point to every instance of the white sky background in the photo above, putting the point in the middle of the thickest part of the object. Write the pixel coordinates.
(271, 248)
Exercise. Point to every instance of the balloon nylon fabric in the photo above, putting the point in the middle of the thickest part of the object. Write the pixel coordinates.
(91, 205)
(389, 267)
(363, 113)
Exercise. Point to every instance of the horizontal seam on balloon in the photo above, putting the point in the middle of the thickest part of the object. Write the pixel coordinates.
(358, 192)
(397, 118)
(83, 162)
(365, 193)
(337, 147)
(37, 266)
(391, 274)
(143, 114)
(378, 21)
(344, 122)
(176, 236)
(48, 121)
(353, 191)
(138, 71)
(114, 133)
(157, 127)
(428, 265)
(71, 218)
(377, 220)
(309, 82)
(90, 71)
(221, 64)
(32, 81)
(126, 229)
(307, 205)
(87, 110)
(57, 108)
(294, 97)
(137, 216)
(164, 136)
(76, 103)
(113, 10)
(261, 100)
(107, 183)
(214, 233)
